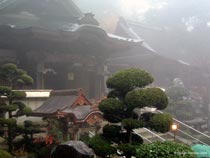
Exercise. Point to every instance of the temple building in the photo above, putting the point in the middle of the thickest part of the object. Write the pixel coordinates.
(59, 46)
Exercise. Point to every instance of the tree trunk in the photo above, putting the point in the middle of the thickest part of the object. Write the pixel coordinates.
(10, 138)
(129, 132)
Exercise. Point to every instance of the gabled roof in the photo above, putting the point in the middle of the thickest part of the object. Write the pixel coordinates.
(63, 103)
(125, 30)
(60, 100)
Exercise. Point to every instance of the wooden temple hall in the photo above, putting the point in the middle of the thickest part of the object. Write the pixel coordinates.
(58, 45)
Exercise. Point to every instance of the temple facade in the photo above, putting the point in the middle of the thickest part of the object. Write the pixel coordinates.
(58, 45)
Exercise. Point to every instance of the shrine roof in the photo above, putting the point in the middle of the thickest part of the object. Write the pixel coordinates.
(80, 112)
(58, 100)
(55, 103)
(67, 102)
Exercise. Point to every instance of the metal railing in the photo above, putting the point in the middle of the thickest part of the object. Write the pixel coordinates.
(144, 138)
(153, 135)
(191, 134)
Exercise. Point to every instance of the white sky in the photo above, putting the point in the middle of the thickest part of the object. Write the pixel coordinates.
(139, 7)
(126, 8)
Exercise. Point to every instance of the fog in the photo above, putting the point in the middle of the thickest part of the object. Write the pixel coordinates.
(178, 29)
(175, 29)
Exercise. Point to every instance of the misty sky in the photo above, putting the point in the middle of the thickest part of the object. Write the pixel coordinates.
(126, 8)
(190, 12)
(185, 24)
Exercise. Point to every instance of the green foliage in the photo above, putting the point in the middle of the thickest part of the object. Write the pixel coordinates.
(27, 110)
(9, 121)
(4, 90)
(27, 80)
(130, 124)
(101, 147)
(161, 122)
(111, 105)
(136, 139)
(111, 132)
(127, 93)
(20, 105)
(84, 137)
(113, 94)
(128, 79)
(27, 123)
(112, 109)
(14, 76)
(128, 150)
(18, 94)
(136, 98)
(5, 154)
(150, 97)
(164, 150)
(12, 107)
(156, 98)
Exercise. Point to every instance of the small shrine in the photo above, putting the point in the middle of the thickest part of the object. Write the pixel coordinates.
(74, 112)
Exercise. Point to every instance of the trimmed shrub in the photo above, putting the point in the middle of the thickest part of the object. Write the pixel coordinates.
(161, 122)
(164, 150)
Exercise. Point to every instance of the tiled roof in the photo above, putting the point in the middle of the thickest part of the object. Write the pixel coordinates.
(55, 103)
(67, 102)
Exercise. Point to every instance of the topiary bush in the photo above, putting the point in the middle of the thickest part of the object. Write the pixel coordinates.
(128, 79)
(164, 150)
(112, 132)
(161, 122)
(127, 150)
(101, 147)
(112, 109)
(128, 93)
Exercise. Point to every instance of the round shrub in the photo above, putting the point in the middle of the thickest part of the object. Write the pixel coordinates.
(128, 79)
(161, 122)
(101, 147)
(156, 98)
(111, 132)
(130, 124)
(27, 110)
(136, 99)
(150, 97)
(112, 109)
(27, 79)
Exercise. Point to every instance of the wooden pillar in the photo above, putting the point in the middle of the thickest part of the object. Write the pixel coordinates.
(101, 71)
